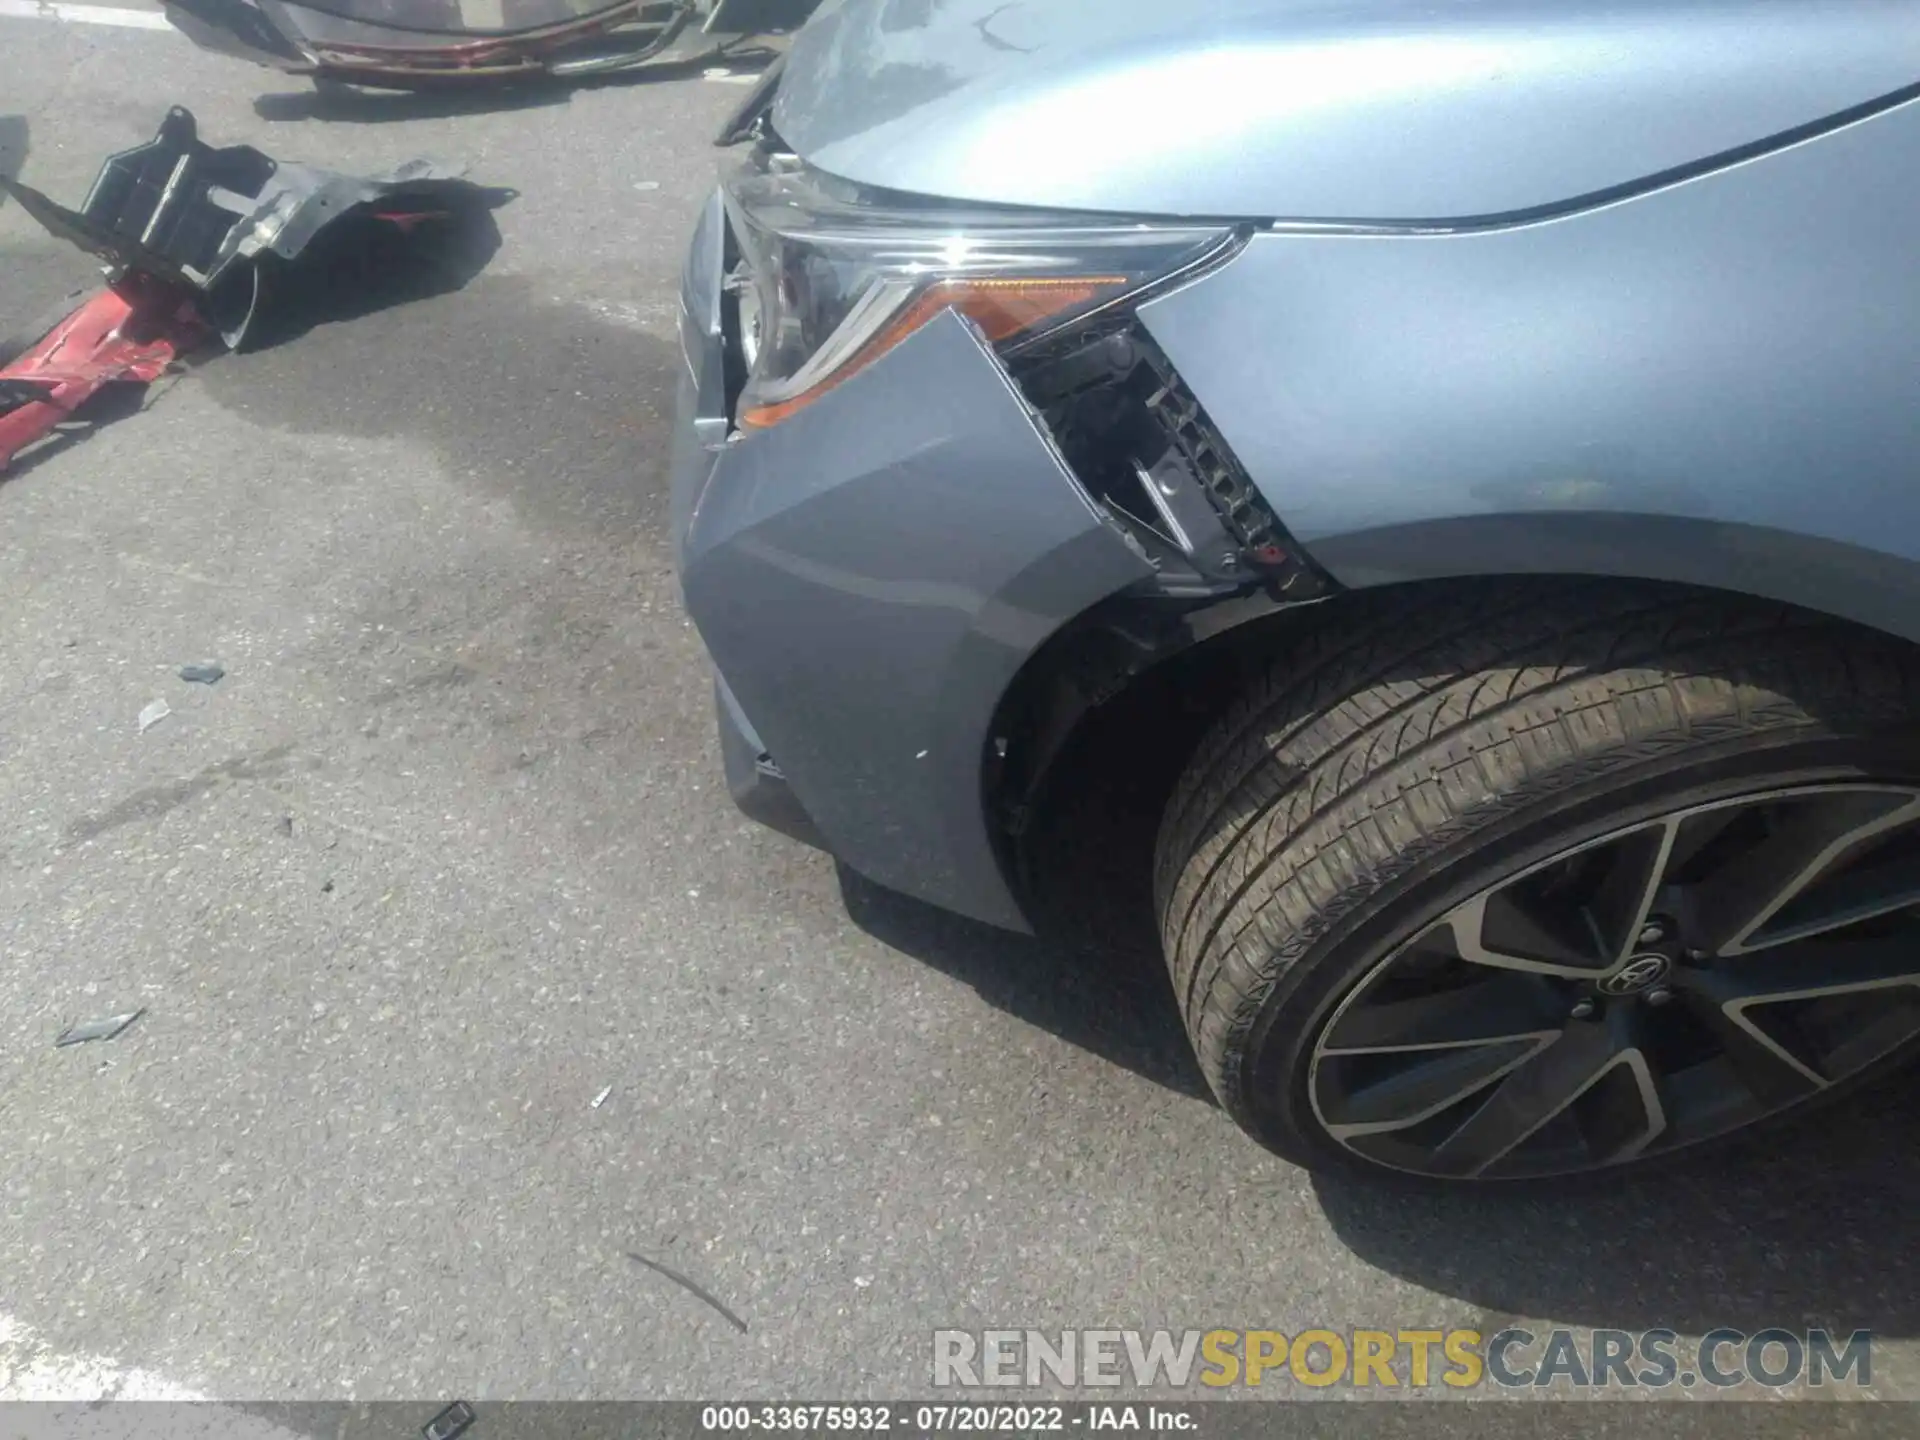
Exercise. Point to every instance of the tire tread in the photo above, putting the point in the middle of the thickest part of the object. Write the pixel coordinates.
(1377, 739)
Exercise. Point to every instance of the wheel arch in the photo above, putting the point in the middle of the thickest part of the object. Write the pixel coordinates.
(1872, 588)
(1096, 727)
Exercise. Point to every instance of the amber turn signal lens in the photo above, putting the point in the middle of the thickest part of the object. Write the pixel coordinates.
(1001, 308)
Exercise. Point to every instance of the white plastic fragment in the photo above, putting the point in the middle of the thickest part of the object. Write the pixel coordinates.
(84, 1030)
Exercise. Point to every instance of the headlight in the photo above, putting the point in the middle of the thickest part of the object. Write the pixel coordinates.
(840, 275)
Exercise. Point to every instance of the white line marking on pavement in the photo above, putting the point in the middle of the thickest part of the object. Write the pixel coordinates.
(84, 14)
(31, 1369)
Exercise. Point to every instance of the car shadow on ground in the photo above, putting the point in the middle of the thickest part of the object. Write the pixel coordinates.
(1093, 975)
(1814, 1226)
(1118, 1005)
(348, 104)
(362, 263)
(13, 147)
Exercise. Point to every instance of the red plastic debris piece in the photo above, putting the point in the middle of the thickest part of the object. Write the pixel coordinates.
(132, 330)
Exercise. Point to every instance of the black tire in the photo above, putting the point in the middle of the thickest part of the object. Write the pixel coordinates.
(1421, 745)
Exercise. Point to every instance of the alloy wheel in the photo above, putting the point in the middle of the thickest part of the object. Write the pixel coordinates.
(1640, 993)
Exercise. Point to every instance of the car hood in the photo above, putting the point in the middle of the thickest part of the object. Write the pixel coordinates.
(1320, 109)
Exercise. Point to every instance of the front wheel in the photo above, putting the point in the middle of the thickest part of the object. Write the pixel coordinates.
(1509, 882)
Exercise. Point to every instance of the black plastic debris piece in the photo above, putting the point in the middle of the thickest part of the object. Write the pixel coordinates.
(450, 1422)
(163, 205)
(208, 218)
(207, 674)
(200, 241)
(85, 1030)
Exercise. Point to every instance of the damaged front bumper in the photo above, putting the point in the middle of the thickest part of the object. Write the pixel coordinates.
(130, 331)
(403, 44)
(869, 577)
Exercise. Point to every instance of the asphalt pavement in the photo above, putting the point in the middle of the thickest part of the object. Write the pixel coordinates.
(446, 855)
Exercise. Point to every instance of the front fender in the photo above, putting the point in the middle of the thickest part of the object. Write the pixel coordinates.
(1712, 383)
